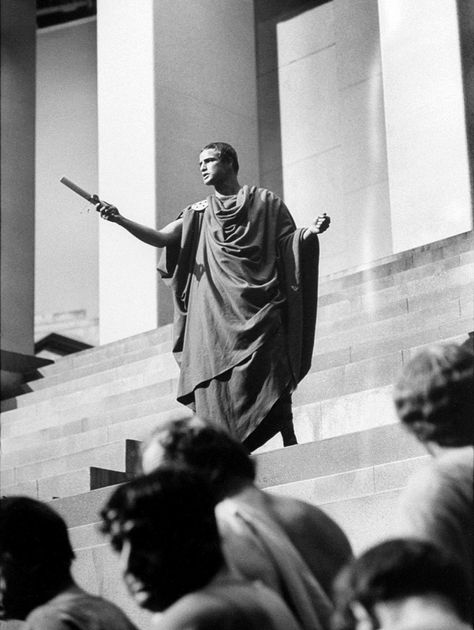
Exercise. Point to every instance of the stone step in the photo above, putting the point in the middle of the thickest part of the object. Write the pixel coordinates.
(152, 369)
(332, 318)
(314, 421)
(354, 312)
(67, 484)
(458, 311)
(459, 248)
(449, 320)
(128, 359)
(118, 456)
(138, 342)
(351, 484)
(424, 283)
(333, 456)
(78, 406)
(100, 428)
(320, 385)
(352, 451)
(455, 248)
(340, 495)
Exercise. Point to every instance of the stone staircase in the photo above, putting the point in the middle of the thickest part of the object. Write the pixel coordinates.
(77, 430)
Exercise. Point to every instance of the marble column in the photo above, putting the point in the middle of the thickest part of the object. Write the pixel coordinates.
(18, 50)
(171, 78)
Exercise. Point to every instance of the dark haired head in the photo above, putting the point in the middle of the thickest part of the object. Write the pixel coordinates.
(207, 449)
(226, 153)
(35, 555)
(165, 521)
(434, 396)
(394, 570)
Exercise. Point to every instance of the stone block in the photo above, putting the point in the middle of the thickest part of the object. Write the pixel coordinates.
(65, 484)
(108, 456)
(328, 489)
(395, 475)
(372, 373)
(140, 427)
(365, 520)
(99, 386)
(336, 455)
(357, 412)
(45, 415)
(26, 488)
(110, 363)
(50, 448)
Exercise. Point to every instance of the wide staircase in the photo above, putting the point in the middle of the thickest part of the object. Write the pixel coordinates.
(77, 432)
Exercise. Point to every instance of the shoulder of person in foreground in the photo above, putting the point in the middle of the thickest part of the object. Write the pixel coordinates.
(442, 625)
(319, 539)
(247, 606)
(306, 521)
(78, 611)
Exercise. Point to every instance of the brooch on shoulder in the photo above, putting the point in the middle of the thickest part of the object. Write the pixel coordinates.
(200, 205)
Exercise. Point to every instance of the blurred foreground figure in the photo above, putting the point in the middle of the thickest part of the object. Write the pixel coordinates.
(434, 398)
(402, 584)
(293, 547)
(245, 286)
(35, 573)
(164, 528)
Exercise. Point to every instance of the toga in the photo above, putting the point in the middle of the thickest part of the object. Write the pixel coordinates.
(245, 291)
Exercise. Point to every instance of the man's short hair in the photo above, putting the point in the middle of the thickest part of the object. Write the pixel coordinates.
(207, 449)
(434, 396)
(398, 569)
(33, 534)
(172, 514)
(226, 152)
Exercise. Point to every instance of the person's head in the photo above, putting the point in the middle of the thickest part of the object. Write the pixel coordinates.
(434, 396)
(164, 528)
(218, 163)
(35, 555)
(389, 574)
(211, 451)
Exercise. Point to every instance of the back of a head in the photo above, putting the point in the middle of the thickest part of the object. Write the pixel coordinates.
(395, 570)
(192, 443)
(226, 153)
(434, 396)
(34, 540)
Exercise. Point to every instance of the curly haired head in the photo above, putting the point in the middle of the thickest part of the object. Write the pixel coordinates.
(195, 444)
(434, 396)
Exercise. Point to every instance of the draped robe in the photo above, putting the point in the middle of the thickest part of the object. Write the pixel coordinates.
(245, 291)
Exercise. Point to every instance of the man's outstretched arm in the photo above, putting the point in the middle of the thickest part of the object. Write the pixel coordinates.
(169, 235)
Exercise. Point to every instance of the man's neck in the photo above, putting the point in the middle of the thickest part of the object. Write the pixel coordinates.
(228, 187)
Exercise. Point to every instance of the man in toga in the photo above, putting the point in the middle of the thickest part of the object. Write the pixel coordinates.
(244, 280)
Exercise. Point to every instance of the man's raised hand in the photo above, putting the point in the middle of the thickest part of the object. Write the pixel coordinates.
(320, 224)
(108, 212)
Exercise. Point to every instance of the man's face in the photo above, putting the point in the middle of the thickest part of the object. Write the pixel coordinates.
(213, 169)
(146, 569)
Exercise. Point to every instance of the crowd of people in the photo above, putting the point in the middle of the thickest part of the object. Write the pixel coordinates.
(202, 547)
